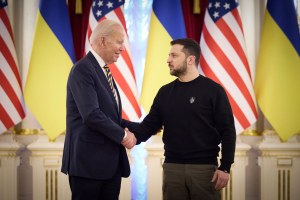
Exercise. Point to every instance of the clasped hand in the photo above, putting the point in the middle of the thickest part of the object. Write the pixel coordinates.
(129, 141)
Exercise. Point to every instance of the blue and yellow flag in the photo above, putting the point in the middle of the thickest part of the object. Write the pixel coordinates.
(277, 82)
(166, 24)
(51, 60)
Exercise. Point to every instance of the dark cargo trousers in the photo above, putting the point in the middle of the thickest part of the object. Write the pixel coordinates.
(189, 182)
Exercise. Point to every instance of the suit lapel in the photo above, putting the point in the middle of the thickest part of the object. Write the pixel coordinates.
(104, 81)
(118, 94)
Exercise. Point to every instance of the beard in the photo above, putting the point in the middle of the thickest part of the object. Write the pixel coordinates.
(181, 70)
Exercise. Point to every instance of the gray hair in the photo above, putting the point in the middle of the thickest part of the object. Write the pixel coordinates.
(103, 29)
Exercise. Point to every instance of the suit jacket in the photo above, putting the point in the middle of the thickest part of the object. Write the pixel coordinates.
(95, 127)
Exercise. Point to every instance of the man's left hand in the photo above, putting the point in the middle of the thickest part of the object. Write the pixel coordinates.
(220, 179)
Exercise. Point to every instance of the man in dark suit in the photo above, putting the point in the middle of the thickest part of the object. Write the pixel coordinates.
(94, 153)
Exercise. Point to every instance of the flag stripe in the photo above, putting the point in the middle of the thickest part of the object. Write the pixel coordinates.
(239, 114)
(51, 59)
(225, 80)
(129, 107)
(223, 59)
(6, 36)
(164, 10)
(237, 17)
(125, 87)
(125, 116)
(5, 118)
(226, 45)
(166, 24)
(10, 59)
(282, 15)
(61, 30)
(9, 107)
(12, 107)
(122, 70)
(228, 66)
(237, 124)
(231, 37)
(2, 127)
(121, 18)
(125, 72)
(8, 73)
(277, 82)
(4, 18)
(9, 90)
(127, 59)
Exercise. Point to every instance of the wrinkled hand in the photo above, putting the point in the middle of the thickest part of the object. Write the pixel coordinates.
(129, 141)
(220, 179)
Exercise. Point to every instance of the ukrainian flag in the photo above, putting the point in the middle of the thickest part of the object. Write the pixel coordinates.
(166, 24)
(277, 82)
(51, 60)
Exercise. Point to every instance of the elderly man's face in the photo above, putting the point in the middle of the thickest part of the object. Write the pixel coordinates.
(114, 45)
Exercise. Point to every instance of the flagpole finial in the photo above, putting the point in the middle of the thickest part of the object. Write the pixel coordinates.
(196, 9)
(78, 7)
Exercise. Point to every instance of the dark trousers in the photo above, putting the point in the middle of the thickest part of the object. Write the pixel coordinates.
(92, 189)
(189, 182)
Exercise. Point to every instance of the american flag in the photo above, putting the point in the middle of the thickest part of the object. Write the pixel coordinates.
(12, 107)
(223, 59)
(122, 70)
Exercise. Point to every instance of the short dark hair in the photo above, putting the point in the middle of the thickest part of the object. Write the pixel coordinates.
(190, 47)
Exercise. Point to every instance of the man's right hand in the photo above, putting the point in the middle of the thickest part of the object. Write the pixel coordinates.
(129, 140)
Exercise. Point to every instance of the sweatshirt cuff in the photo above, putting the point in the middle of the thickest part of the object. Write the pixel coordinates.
(225, 166)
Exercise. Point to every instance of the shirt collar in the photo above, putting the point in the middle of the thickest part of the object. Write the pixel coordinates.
(98, 58)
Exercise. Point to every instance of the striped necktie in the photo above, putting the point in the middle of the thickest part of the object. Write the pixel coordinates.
(110, 81)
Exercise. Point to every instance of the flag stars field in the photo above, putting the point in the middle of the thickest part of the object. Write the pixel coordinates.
(109, 4)
(100, 3)
(217, 4)
(227, 6)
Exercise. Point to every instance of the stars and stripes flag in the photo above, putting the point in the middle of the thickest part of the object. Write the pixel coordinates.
(12, 107)
(122, 70)
(223, 59)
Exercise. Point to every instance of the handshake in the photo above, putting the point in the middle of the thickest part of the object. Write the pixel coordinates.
(129, 140)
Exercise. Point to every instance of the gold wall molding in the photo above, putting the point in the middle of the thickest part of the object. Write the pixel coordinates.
(27, 131)
(7, 154)
(280, 153)
(156, 153)
(250, 133)
(240, 153)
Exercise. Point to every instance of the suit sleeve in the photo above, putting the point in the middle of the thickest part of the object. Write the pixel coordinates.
(128, 124)
(82, 86)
